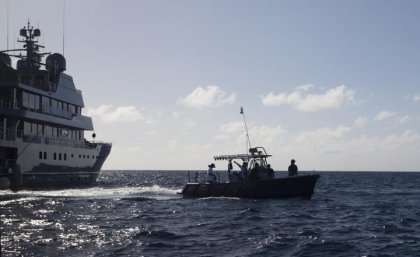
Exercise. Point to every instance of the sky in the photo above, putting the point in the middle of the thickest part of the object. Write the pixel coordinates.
(332, 84)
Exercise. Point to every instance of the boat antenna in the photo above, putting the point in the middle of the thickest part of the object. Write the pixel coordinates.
(64, 23)
(248, 143)
(7, 23)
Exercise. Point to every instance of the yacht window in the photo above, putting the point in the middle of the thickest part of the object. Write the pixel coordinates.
(59, 156)
(39, 130)
(40, 155)
(36, 102)
(65, 157)
(55, 156)
(45, 155)
(26, 128)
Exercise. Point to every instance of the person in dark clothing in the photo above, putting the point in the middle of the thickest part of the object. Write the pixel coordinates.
(270, 171)
(253, 174)
(293, 169)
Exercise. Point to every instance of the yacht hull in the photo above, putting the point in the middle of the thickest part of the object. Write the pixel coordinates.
(37, 173)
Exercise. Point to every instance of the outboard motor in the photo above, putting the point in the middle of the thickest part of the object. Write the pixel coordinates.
(56, 63)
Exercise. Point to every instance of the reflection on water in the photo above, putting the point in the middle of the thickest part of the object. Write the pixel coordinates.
(140, 213)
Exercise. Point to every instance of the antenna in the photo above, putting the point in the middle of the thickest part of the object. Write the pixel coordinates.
(64, 23)
(248, 143)
(7, 23)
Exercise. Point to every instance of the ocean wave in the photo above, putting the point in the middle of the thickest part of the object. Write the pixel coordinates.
(157, 234)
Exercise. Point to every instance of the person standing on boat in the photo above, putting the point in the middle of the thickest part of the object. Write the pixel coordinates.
(270, 171)
(293, 169)
(230, 167)
(244, 168)
(211, 176)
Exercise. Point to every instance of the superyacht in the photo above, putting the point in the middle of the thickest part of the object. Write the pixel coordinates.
(42, 128)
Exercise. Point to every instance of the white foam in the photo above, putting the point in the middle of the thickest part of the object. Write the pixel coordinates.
(94, 192)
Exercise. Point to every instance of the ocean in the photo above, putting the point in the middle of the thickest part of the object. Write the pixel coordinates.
(139, 213)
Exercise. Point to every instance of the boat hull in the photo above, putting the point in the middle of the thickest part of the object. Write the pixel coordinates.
(74, 172)
(297, 186)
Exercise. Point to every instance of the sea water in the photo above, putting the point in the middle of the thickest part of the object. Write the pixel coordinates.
(139, 213)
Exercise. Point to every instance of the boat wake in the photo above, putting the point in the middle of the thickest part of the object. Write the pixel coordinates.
(153, 192)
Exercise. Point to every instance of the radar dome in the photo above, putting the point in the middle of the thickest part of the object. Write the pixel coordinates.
(56, 63)
(5, 59)
(37, 32)
(23, 32)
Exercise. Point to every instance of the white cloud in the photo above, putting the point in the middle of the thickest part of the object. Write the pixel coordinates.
(323, 135)
(385, 115)
(303, 101)
(110, 113)
(404, 119)
(305, 87)
(416, 98)
(232, 127)
(172, 144)
(394, 141)
(360, 122)
(210, 96)
(259, 135)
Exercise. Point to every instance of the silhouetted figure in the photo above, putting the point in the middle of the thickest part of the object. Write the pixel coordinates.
(244, 168)
(270, 171)
(230, 166)
(211, 177)
(293, 169)
(253, 174)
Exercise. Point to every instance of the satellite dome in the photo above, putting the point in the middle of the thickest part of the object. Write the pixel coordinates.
(37, 32)
(5, 59)
(56, 63)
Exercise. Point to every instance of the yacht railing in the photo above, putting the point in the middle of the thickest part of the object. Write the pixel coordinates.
(12, 135)
(5, 164)
(6, 104)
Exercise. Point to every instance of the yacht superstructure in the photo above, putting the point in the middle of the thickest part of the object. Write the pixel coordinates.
(42, 141)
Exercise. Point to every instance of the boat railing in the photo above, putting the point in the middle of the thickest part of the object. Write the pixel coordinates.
(201, 176)
(7, 104)
(7, 163)
(57, 141)
(10, 135)
(67, 142)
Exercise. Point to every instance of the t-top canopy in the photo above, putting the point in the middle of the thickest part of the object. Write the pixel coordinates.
(240, 156)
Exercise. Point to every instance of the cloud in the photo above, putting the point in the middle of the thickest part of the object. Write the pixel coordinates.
(416, 98)
(404, 119)
(360, 122)
(111, 114)
(385, 115)
(305, 87)
(303, 101)
(259, 135)
(323, 135)
(210, 96)
(394, 141)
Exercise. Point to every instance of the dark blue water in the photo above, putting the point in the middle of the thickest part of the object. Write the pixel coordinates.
(140, 214)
